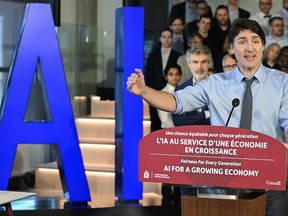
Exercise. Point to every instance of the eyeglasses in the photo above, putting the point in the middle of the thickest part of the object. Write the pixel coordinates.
(264, 3)
(230, 66)
(278, 25)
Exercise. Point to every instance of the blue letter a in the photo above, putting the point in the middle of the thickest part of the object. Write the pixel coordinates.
(37, 43)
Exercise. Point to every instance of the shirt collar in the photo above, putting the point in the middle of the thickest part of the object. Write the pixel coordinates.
(171, 87)
(259, 75)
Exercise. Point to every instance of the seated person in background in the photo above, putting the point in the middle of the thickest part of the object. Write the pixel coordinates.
(161, 57)
(201, 8)
(179, 38)
(170, 194)
(172, 74)
(276, 32)
(263, 15)
(270, 56)
(229, 62)
(194, 39)
(198, 59)
(283, 59)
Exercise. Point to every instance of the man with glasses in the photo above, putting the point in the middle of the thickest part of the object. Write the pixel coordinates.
(201, 8)
(263, 16)
(284, 14)
(229, 62)
(276, 32)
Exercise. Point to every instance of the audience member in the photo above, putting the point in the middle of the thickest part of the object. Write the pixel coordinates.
(193, 40)
(219, 30)
(235, 12)
(204, 27)
(184, 10)
(263, 16)
(284, 14)
(283, 59)
(229, 62)
(157, 61)
(201, 8)
(170, 195)
(179, 39)
(270, 56)
(198, 59)
(172, 74)
(218, 62)
(276, 32)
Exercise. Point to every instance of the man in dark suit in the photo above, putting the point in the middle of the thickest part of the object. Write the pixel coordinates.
(179, 38)
(201, 8)
(157, 61)
(184, 10)
(198, 59)
(235, 12)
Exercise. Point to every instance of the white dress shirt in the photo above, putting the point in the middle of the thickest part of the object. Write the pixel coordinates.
(165, 57)
(166, 117)
(283, 41)
(263, 22)
(284, 14)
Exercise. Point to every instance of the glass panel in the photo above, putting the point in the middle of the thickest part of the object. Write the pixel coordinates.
(83, 57)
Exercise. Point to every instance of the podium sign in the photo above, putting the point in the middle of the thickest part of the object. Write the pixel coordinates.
(213, 156)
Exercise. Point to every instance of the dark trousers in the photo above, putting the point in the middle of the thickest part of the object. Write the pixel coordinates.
(170, 195)
(154, 118)
(277, 203)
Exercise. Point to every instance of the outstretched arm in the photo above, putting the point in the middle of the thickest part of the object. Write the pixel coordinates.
(158, 99)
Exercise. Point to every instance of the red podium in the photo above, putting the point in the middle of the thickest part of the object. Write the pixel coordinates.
(215, 156)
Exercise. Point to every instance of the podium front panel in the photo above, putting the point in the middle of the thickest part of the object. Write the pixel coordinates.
(213, 156)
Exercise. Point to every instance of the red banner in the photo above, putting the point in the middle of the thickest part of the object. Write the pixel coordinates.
(213, 156)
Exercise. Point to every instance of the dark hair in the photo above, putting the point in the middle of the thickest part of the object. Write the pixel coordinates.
(166, 29)
(174, 18)
(245, 24)
(274, 18)
(194, 34)
(172, 66)
(204, 16)
(200, 2)
(221, 7)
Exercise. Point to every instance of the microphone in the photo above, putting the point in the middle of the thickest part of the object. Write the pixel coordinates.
(235, 103)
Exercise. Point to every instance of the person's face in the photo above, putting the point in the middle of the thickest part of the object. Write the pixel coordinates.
(265, 6)
(248, 49)
(229, 64)
(177, 26)
(284, 58)
(233, 2)
(285, 4)
(273, 53)
(277, 28)
(222, 16)
(191, 4)
(195, 41)
(166, 39)
(202, 8)
(204, 25)
(173, 76)
(199, 65)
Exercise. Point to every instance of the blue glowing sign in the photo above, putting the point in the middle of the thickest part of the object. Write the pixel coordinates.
(37, 44)
(129, 50)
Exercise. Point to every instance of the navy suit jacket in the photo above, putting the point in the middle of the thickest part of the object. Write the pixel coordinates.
(190, 118)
